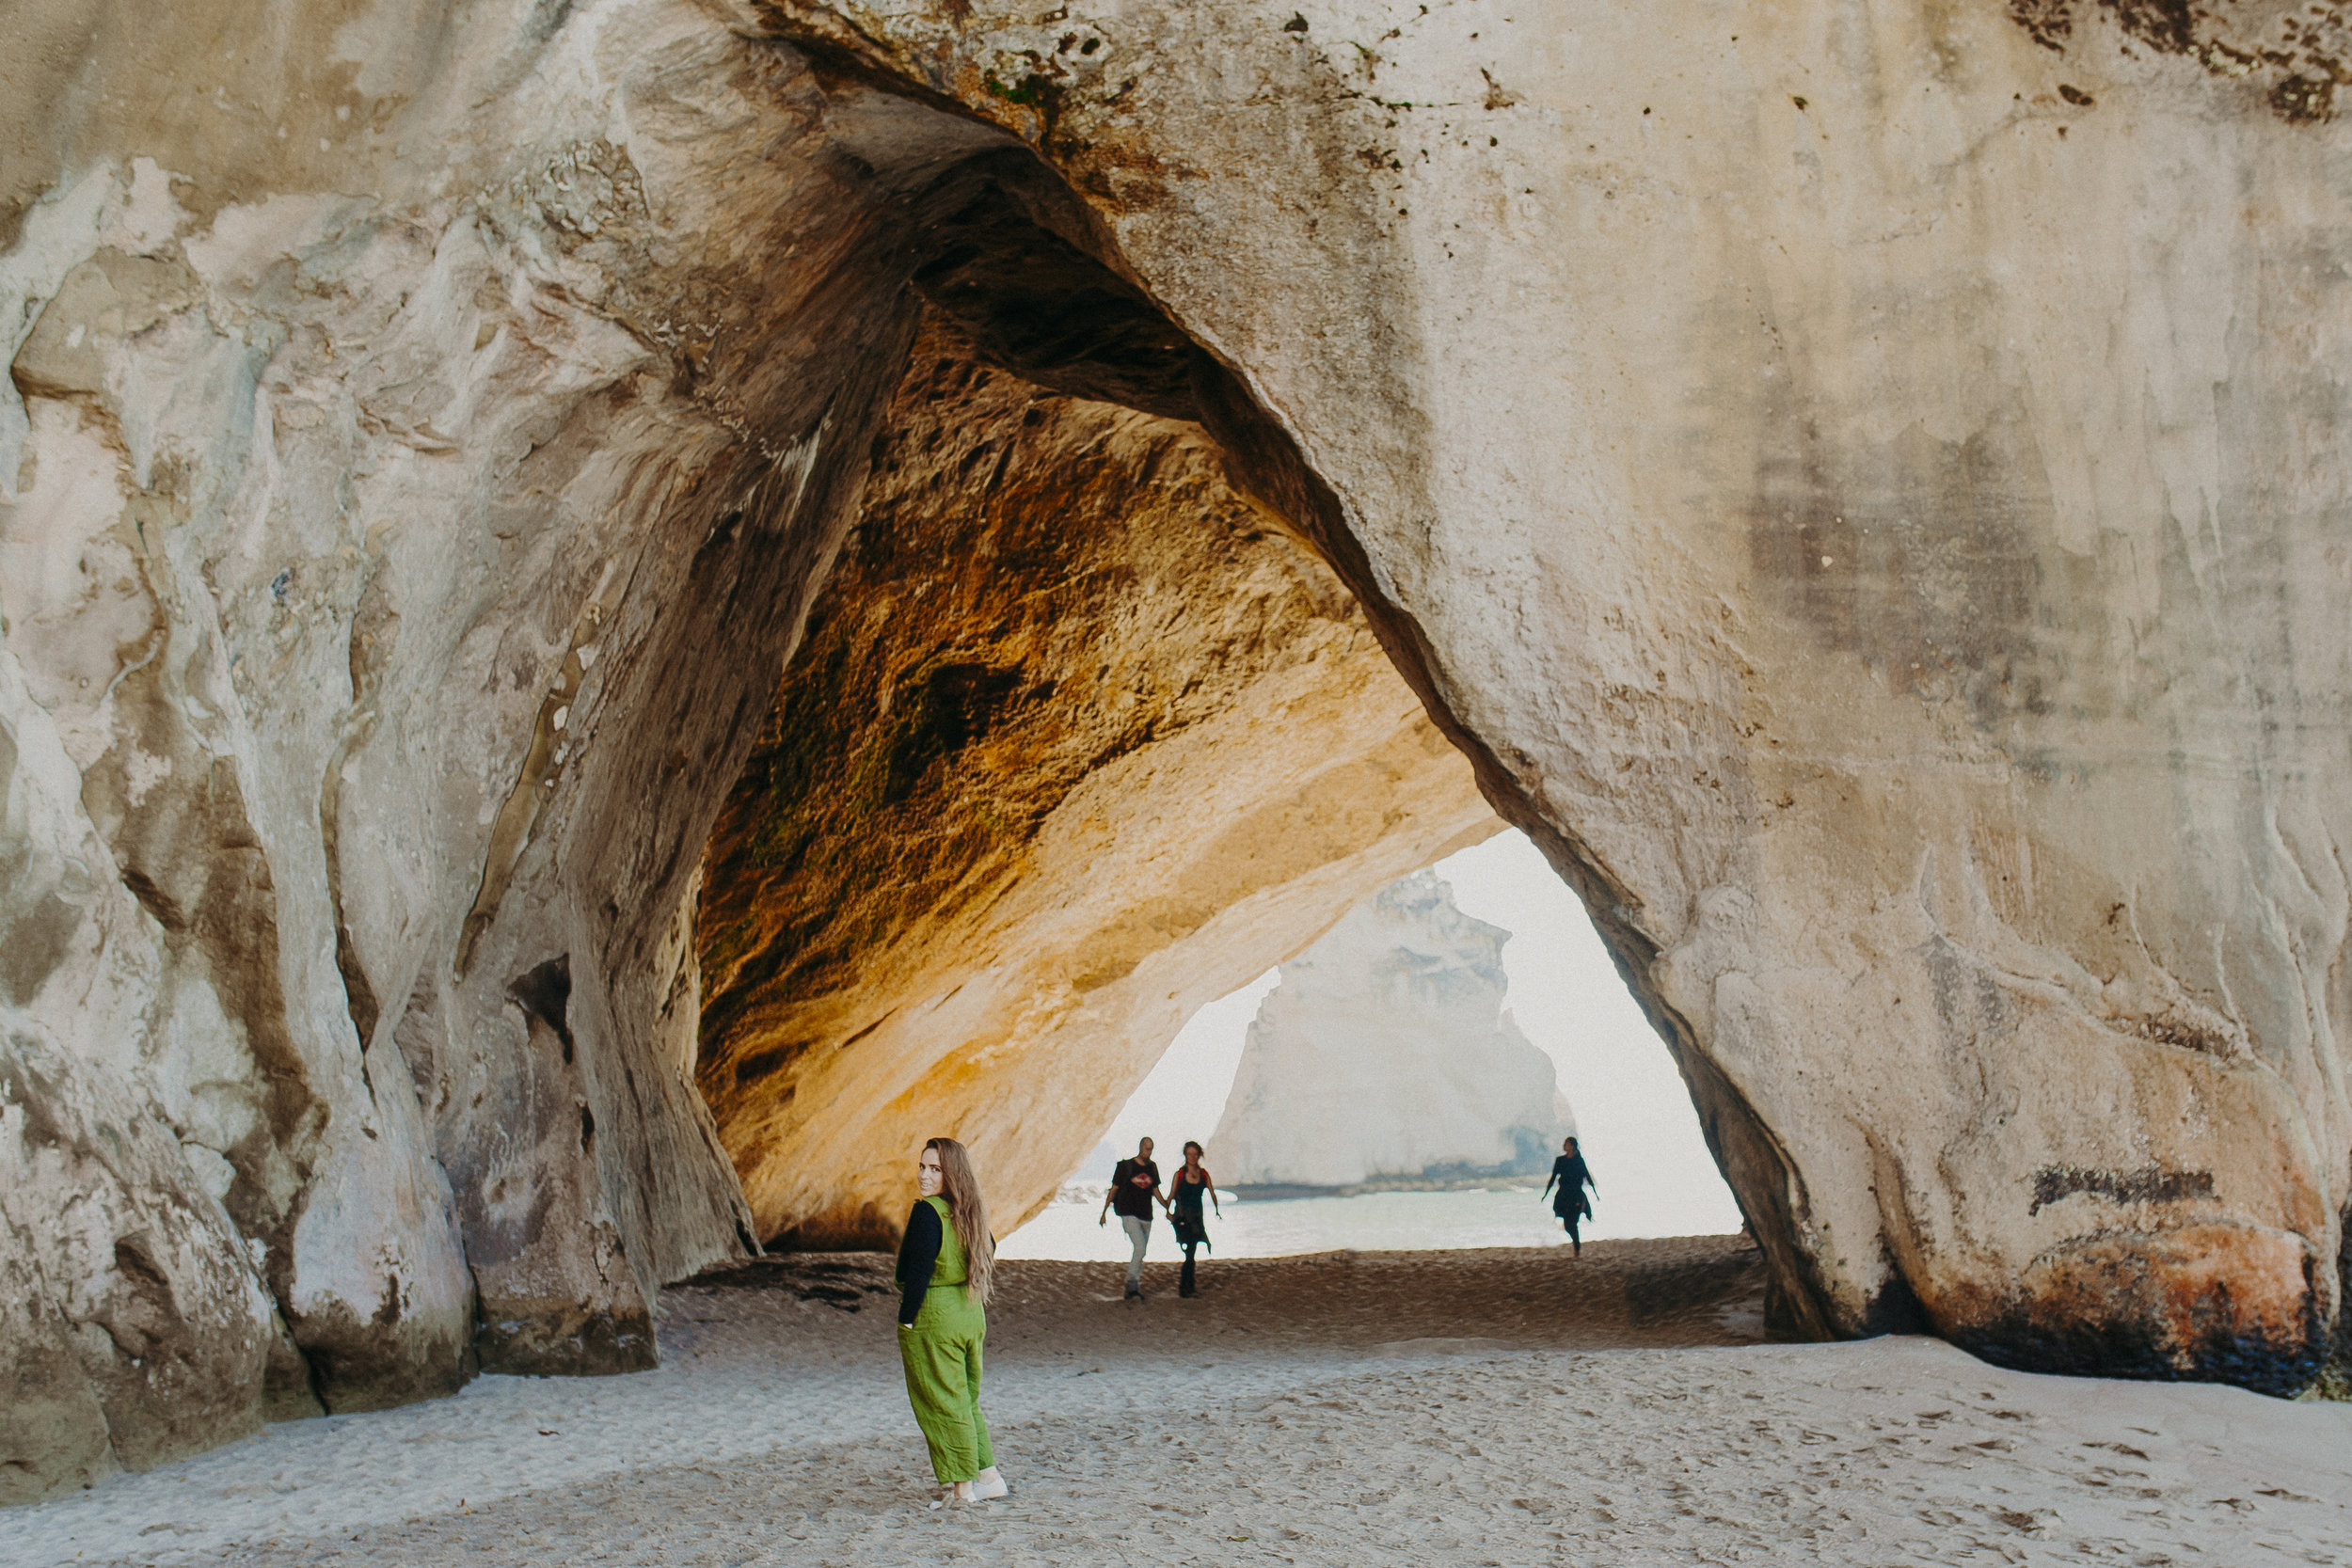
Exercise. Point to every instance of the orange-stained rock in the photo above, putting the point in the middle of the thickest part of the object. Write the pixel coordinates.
(2188, 1300)
(1078, 739)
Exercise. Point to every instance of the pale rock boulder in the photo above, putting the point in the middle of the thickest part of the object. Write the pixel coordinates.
(135, 1330)
(1385, 1057)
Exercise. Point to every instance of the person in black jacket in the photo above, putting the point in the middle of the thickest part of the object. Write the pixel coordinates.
(1571, 1203)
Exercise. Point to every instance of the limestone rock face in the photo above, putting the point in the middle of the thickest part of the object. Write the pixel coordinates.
(1866, 494)
(1864, 491)
(1385, 1056)
(1076, 741)
(380, 427)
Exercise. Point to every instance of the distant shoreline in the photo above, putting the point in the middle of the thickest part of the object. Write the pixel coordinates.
(1263, 1191)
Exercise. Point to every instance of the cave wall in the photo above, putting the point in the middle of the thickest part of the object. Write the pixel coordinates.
(415, 470)
(1077, 740)
(1860, 480)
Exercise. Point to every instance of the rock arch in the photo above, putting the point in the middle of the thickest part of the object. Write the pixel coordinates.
(1890, 562)
(1078, 739)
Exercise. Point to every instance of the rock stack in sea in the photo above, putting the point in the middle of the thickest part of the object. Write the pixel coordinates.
(1385, 1058)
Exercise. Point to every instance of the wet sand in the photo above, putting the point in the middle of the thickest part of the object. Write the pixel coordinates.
(1506, 1407)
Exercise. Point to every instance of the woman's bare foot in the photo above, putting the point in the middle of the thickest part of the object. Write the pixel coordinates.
(988, 1484)
(962, 1491)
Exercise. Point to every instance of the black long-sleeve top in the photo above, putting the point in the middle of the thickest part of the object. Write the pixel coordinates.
(1572, 1174)
(918, 1254)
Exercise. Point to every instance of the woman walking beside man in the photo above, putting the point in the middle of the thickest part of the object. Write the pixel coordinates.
(1135, 1183)
(1183, 1212)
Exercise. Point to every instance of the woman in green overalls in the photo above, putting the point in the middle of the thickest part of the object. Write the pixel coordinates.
(946, 1263)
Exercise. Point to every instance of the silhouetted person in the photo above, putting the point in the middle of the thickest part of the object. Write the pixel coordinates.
(1184, 1191)
(1134, 1184)
(1571, 1203)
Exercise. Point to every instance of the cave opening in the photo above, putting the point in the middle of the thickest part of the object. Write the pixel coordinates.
(1425, 1053)
(1086, 725)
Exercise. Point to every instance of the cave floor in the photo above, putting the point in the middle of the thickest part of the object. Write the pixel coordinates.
(1497, 1407)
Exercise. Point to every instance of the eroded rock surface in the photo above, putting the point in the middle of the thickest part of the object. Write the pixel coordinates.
(1077, 741)
(1866, 492)
(1862, 482)
(381, 428)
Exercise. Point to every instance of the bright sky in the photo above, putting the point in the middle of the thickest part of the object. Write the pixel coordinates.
(1633, 1115)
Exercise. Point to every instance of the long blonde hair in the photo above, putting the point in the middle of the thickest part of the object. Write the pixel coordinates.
(961, 1187)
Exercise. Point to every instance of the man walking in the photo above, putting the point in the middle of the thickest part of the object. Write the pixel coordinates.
(1134, 1184)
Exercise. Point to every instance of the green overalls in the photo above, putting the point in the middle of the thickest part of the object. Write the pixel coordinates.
(942, 1353)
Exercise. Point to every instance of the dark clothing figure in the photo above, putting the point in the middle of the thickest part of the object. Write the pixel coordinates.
(1133, 1184)
(918, 1256)
(1570, 1203)
(1185, 1218)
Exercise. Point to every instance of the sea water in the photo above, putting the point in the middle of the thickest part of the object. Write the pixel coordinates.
(1274, 1228)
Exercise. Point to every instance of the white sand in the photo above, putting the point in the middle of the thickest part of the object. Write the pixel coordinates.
(1392, 1408)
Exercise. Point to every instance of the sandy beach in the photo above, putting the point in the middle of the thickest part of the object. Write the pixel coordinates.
(1501, 1406)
